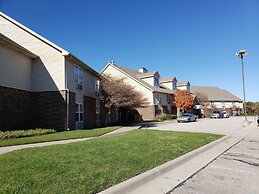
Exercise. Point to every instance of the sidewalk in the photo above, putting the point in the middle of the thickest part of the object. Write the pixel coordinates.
(120, 131)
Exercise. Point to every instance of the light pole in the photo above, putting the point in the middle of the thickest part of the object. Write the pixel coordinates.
(241, 54)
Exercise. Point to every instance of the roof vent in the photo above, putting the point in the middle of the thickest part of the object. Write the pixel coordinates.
(143, 70)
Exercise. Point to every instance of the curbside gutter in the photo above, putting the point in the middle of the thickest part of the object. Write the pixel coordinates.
(160, 180)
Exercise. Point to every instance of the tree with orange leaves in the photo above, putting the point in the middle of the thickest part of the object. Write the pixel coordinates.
(183, 100)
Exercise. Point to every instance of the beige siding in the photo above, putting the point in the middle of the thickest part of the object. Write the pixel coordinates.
(88, 83)
(15, 69)
(182, 87)
(49, 70)
(228, 104)
(149, 80)
(168, 85)
(139, 87)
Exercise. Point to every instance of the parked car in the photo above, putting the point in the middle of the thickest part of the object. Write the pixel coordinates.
(186, 117)
(258, 120)
(216, 115)
(225, 114)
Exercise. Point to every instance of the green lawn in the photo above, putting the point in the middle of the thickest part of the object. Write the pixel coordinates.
(93, 165)
(58, 136)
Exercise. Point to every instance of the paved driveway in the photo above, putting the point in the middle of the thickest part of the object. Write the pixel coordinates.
(227, 126)
(235, 171)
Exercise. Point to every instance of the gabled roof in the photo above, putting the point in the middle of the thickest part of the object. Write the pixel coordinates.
(148, 74)
(215, 93)
(165, 80)
(133, 74)
(183, 83)
(13, 45)
(51, 44)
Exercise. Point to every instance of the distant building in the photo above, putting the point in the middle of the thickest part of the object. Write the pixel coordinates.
(219, 99)
(159, 92)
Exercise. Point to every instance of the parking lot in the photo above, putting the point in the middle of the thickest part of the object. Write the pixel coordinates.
(235, 171)
(227, 126)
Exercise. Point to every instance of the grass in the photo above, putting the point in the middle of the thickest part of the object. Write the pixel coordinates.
(94, 165)
(58, 136)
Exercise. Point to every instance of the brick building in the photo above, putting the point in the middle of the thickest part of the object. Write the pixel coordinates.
(44, 86)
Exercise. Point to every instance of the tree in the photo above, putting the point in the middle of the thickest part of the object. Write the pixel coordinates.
(255, 108)
(183, 100)
(117, 93)
(203, 99)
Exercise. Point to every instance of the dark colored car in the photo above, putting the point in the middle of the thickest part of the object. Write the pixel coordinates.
(258, 120)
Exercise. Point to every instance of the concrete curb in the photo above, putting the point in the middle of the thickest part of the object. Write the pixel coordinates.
(135, 182)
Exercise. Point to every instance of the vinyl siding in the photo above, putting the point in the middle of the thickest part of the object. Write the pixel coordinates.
(139, 87)
(15, 69)
(168, 85)
(48, 72)
(88, 83)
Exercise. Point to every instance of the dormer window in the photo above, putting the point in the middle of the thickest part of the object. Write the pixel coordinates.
(174, 85)
(156, 81)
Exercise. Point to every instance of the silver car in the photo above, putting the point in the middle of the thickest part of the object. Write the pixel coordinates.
(186, 117)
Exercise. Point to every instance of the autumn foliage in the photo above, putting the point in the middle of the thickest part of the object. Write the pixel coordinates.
(119, 94)
(183, 100)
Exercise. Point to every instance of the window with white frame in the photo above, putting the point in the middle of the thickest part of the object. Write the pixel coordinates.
(79, 116)
(156, 81)
(78, 74)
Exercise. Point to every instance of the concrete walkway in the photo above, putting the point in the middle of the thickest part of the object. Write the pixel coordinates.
(120, 131)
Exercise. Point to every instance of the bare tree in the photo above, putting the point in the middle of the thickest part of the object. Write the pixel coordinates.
(117, 93)
(203, 99)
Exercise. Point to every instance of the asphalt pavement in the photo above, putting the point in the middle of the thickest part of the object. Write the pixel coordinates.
(235, 171)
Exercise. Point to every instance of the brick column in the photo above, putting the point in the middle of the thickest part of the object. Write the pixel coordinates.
(89, 112)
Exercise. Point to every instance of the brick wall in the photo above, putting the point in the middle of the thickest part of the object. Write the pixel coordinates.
(147, 113)
(49, 110)
(21, 109)
(72, 110)
(89, 112)
(14, 109)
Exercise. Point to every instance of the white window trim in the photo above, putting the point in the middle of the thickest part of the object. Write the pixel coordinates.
(79, 111)
(78, 77)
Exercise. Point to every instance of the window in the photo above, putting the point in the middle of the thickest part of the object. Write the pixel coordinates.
(98, 111)
(156, 81)
(158, 98)
(97, 85)
(188, 87)
(174, 85)
(223, 105)
(78, 74)
(168, 98)
(79, 116)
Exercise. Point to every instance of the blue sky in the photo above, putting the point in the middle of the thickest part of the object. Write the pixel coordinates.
(192, 40)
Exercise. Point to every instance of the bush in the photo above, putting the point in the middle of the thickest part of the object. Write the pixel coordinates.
(170, 116)
(25, 133)
(161, 117)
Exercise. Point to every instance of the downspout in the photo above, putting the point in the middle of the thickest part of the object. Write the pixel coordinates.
(67, 96)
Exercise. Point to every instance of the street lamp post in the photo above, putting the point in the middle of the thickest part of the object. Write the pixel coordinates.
(241, 54)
